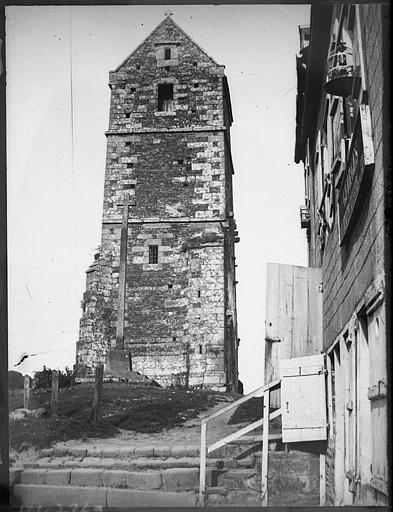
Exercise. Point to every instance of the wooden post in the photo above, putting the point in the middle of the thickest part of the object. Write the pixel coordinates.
(322, 481)
(55, 392)
(265, 448)
(26, 392)
(98, 378)
(202, 469)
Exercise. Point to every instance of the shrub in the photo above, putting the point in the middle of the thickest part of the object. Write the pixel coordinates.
(43, 378)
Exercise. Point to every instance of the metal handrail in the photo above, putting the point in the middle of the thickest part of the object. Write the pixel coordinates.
(205, 449)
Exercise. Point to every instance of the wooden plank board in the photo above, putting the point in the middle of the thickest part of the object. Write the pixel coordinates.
(293, 316)
(265, 449)
(26, 392)
(303, 396)
(202, 468)
(322, 480)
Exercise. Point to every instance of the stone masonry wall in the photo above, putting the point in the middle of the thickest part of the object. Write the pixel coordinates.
(175, 166)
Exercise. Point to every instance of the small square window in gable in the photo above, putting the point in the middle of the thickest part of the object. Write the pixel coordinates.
(166, 54)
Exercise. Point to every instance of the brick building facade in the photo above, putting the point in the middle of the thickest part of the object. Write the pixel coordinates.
(343, 140)
(162, 287)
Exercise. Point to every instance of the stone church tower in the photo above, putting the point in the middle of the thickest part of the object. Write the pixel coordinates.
(160, 294)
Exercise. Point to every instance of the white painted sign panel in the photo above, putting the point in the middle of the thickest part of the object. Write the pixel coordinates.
(303, 399)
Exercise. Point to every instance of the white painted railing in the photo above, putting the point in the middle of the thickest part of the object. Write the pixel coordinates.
(264, 421)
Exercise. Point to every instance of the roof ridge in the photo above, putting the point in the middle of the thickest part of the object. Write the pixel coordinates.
(167, 19)
(193, 42)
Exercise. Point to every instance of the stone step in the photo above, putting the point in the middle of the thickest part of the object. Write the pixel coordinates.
(121, 452)
(135, 464)
(247, 445)
(101, 498)
(129, 451)
(173, 479)
(293, 480)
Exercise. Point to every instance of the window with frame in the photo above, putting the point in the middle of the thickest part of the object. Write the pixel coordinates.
(167, 54)
(153, 254)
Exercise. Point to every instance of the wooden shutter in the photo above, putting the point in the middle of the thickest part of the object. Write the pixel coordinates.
(303, 399)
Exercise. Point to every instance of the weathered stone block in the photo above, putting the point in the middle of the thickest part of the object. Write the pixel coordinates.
(126, 498)
(58, 477)
(184, 451)
(86, 477)
(47, 452)
(77, 451)
(33, 476)
(144, 480)
(114, 478)
(55, 495)
(162, 451)
(144, 451)
(181, 479)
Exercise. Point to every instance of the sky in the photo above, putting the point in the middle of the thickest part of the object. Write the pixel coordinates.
(58, 60)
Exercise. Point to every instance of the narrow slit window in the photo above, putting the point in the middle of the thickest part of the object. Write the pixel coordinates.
(200, 349)
(199, 293)
(165, 97)
(167, 55)
(153, 254)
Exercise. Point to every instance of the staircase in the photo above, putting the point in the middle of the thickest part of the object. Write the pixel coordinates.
(164, 476)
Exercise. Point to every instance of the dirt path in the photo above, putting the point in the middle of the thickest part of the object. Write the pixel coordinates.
(186, 435)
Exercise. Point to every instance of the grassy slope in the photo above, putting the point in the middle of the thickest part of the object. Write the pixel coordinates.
(139, 409)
